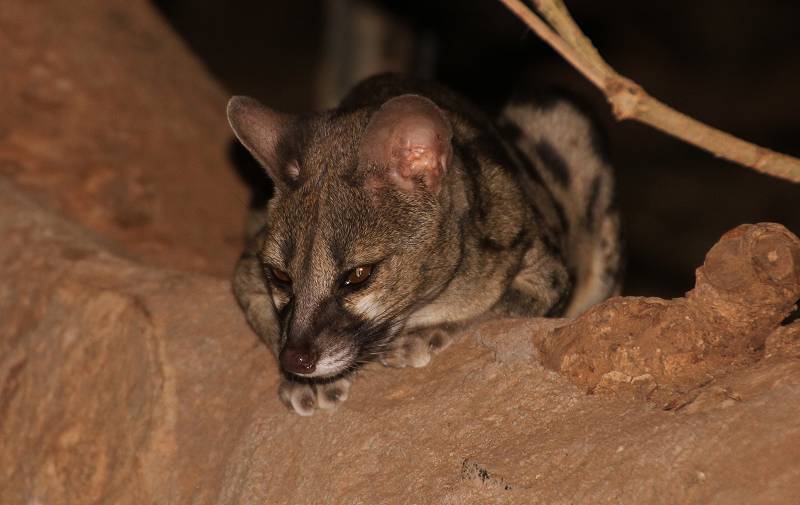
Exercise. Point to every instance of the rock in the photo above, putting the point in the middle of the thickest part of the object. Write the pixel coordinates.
(125, 383)
(784, 341)
(109, 120)
(747, 286)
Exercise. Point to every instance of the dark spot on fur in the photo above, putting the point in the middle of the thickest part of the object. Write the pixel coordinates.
(509, 130)
(594, 193)
(598, 140)
(472, 171)
(547, 99)
(287, 247)
(560, 305)
(565, 291)
(489, 244)
(553, 162)
(555, 281)
(549, 244)
(529, 167)
(515, 303)
(562, 216)
(490, 147)
(520, 238)
(493, 244)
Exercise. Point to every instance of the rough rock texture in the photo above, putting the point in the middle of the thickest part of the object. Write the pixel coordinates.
(748, 285)
(124, 380)
(128, 384)
(107, 118)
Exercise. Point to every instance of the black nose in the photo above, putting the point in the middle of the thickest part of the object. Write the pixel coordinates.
(299, 360)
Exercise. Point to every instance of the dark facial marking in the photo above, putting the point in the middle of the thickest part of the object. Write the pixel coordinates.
(287, 247)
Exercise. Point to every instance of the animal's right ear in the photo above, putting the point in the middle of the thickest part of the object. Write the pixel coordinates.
(260, 129)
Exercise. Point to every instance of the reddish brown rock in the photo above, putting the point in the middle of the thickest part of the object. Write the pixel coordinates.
(747, 286)
(784, 341)
(108, 119)
(122, 383)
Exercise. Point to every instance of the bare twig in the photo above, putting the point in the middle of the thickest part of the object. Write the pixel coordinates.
(630, 101)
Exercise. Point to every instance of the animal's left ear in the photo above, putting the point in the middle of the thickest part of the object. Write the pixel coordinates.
(407, 142)
(260, 130)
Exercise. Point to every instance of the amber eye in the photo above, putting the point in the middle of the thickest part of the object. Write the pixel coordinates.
(358, 275)
(281, 275)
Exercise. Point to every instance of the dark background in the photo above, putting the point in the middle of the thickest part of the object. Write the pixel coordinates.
(731, 63)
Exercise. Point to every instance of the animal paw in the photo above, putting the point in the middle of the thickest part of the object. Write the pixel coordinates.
(305, 398)
(415, 349)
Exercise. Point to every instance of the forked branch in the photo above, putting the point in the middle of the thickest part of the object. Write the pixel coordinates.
(629, 101)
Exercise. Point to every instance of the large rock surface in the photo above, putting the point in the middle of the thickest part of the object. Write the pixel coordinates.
(128, 374)
(123, 383)
(109, 120)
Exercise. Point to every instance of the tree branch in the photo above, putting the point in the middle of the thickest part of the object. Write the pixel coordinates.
(630, 101)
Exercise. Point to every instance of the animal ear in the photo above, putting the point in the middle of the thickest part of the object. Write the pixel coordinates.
(260, 129)
(407, 144)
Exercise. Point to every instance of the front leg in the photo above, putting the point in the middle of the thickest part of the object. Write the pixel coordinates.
(253, 295)
(541, 287)
(416, 348)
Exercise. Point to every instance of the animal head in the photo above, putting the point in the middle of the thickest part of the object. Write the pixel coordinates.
(357, 234)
